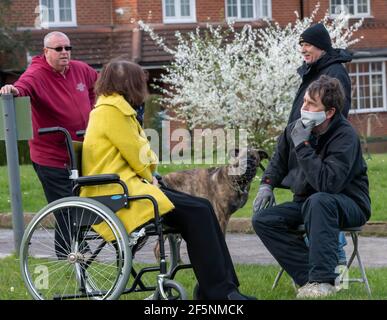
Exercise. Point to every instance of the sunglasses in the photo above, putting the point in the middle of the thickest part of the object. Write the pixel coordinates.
(60, 49)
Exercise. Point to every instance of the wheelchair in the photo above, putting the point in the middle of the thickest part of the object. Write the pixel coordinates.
(76, 262)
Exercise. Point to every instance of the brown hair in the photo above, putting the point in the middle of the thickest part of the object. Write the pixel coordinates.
(329, 90)
(125, 78)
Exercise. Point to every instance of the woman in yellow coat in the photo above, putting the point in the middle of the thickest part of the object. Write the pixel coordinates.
(115, 143)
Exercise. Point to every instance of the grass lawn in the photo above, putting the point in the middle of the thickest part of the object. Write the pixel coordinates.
(33, 197)
(255, 280)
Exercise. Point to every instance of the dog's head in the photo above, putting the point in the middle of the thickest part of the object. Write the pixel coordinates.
(244, 162)
(242, 170)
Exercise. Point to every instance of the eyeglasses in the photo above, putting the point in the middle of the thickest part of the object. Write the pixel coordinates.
(60, 49)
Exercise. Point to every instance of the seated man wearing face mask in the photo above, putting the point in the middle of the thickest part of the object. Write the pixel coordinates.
(319, 158)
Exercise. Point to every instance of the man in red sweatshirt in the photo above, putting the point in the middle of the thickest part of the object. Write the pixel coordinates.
(62, 94)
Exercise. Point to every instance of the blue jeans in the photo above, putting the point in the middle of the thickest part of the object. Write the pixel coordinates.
(341, 252)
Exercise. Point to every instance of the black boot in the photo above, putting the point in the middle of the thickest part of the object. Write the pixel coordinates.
(236, 295)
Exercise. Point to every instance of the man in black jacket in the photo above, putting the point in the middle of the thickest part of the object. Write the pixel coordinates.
(319, 158)
(319, 59)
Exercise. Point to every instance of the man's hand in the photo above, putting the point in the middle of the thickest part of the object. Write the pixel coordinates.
(300, 133)
(265, 198)
(9, 88)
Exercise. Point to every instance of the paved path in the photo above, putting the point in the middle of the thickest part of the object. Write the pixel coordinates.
(244, 248)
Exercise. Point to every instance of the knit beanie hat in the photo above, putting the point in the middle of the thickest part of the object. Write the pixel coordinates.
(318, 36)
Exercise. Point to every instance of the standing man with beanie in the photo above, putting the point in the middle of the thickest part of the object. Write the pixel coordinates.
(62, 94)
(320, 58)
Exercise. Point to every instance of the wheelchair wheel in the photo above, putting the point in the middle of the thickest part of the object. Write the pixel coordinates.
(173, 291)
(62, 257)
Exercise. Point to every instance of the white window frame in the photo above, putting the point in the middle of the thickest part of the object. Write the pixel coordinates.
(257, 11)
(355, 5)
(178, 18)
(56, 22)
(384, 85)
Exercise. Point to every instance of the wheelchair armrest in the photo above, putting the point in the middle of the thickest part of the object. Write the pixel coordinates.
(98, 179)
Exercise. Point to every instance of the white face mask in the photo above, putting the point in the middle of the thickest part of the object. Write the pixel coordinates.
(308, 117)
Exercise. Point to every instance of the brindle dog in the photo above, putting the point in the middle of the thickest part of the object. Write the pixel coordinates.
(226, 187)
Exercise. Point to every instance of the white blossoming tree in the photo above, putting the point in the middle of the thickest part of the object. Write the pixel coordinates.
(240, 79)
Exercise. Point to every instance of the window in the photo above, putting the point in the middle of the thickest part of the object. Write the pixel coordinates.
(58, 13)
(179, 11)
(368, 85)
(248, 9)
(358, 8)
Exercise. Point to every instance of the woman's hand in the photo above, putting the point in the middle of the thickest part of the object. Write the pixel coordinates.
(155, 181)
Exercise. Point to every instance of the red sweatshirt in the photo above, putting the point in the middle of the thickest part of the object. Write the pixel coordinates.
(56, 100)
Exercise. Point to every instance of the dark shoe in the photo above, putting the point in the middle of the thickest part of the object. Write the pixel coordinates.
(197, 294)
(236, 295)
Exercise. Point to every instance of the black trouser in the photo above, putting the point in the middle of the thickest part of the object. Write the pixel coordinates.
(56, 185)
(195, 218)
(323, 215)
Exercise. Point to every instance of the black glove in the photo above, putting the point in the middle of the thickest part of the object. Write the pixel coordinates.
(265, 198)
(300, 133)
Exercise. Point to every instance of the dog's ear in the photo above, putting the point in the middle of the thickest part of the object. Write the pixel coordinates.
(263, 154)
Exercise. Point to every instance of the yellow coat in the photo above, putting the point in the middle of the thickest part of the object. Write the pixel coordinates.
(115, 143)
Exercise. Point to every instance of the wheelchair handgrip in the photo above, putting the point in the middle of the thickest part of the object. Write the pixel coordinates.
(80, 133)
(49, 130)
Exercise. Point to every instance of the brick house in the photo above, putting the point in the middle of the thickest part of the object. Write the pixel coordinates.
(102, 29)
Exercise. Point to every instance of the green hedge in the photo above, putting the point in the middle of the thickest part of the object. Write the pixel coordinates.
(24, 153)
(153, 117)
